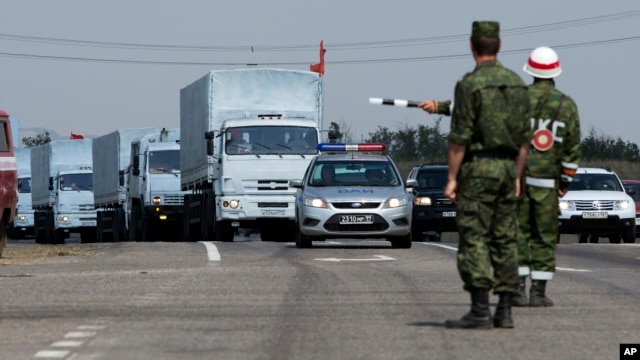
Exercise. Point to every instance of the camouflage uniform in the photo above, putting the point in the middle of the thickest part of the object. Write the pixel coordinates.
(489, 117)
(547, 171)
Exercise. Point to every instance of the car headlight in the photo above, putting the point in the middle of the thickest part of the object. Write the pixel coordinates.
(396, 202)
(315, 202)
(565, 205)
(622, 204)
(422, 201)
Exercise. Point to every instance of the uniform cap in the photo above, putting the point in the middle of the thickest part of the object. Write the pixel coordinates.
(488, 29)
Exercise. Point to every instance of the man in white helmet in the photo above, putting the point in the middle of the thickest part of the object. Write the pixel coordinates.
(551, 164)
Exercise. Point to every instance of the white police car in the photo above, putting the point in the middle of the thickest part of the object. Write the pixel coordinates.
(352, 191)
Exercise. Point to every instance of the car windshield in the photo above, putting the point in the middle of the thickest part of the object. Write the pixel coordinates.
(599, 182)
(353, 173)
(432, 180)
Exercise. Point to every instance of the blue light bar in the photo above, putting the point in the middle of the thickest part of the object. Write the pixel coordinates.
(373, 147)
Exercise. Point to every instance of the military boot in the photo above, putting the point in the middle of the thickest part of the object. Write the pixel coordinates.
(480, 315)
(537, 297)
(502, 317)
(520, 299)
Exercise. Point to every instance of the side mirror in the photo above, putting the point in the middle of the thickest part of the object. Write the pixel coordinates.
(209, 135)
(210, 147)
(295, 184)
(121, 173)
(411, 183)
(136, 172)
(50, 183)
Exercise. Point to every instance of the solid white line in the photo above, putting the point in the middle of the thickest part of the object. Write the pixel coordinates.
(212, 251)
(570, 269)
(69, 343)
(52, 354)
(440, 245)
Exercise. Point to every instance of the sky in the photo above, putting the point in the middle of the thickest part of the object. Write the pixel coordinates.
(92, 67)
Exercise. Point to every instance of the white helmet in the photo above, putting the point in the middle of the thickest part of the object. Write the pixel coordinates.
(543, 63)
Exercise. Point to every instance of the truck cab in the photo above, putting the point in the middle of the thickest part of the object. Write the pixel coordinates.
(8, 179)
(23, 222)
(155, 197)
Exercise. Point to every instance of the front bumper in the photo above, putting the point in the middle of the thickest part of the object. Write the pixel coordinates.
(434, 219)
(576, 224)
(325, 222)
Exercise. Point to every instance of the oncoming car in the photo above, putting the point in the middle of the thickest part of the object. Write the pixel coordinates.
(633, 188)
(352, 191)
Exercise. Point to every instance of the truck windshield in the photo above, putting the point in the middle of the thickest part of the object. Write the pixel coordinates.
(165, 161)
(70, 182)
(264, 140)
(24, 185)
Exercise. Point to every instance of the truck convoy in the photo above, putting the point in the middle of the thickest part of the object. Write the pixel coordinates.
(8, 179)
(23, 222)
(154, 192)
(245, 133)
(62, 191)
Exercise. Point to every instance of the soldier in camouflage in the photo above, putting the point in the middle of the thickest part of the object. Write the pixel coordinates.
(551, 166)
(488, 146)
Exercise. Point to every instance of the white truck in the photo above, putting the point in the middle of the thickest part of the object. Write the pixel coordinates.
(23, 222)
(62, 191)
(111, 159)
(245, 134)
(154, 193)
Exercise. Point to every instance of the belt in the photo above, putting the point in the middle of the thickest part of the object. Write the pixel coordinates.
(487, 155)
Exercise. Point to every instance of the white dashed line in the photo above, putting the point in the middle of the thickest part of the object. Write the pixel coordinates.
(440, 245)
(79, 334)
(212, 251)
(52, 354)
(67, 343)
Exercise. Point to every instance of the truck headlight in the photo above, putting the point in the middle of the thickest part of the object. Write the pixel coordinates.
(422, 201)
(157, 200)
(234, 204)
(63, 218)
(315, 202)
(396, 202)
(21, 218)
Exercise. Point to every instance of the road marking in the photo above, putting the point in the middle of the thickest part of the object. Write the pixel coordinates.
(456, 249)
(68, 343)
(569, 269)
(440, 245)
(212, 251)
(52, 354)
(377, 258)
(79, 334)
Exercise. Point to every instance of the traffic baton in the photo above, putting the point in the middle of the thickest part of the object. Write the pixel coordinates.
(393, 102)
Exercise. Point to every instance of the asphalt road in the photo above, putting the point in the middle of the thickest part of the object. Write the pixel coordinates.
(339, 300)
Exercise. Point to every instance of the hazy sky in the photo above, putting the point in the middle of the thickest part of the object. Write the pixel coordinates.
(92, 67)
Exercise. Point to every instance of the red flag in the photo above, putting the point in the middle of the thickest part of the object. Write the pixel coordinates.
(319, 68)
(76, 136)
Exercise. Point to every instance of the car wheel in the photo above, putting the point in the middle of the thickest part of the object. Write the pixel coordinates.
(629, 236)
(401, 242)
(594, 239)
(614, 238)
(302, 241)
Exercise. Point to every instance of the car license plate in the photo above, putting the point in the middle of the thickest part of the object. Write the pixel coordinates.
(448, 214)
(272, 212)
(595, 215)
(356, 219)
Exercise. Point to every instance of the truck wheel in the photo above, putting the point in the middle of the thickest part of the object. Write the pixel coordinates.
(99, 227)
(3, 235)
(88, 235)
(147, 231)
(224, 231)
(268, 234)
(134, 234)
(207, 208)
(58, 236)
(118, 228)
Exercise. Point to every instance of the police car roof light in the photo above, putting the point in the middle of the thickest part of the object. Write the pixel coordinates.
(352, 147)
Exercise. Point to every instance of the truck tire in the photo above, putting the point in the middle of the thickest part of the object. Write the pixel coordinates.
(58, 236)
(148, 233)
(269, 233)
(118, 226)
(99, 227)
(3, 235)
(224, 231)
(134, 234)
(207, 208)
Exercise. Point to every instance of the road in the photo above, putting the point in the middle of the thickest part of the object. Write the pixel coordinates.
(339, 300)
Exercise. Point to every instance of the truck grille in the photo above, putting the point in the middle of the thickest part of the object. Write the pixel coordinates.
(594, 205)
(270, 185)
(173, 199)
(86, 207)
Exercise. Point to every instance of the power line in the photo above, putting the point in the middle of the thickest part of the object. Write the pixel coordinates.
(334, 62)
(333, 47)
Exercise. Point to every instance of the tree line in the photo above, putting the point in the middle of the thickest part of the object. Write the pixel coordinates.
(428, 144)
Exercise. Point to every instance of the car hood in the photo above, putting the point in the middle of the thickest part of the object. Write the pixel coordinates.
(359, 193)
(595, 195)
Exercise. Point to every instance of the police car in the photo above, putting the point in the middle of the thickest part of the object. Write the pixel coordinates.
(352, 191)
